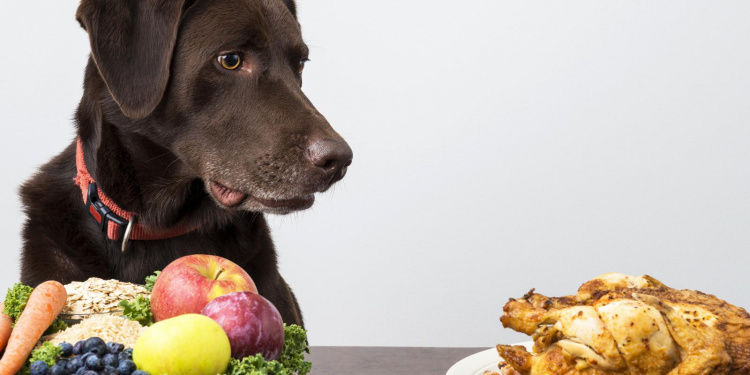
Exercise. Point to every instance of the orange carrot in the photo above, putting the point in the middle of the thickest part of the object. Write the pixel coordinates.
(6, 323)
(45, 303)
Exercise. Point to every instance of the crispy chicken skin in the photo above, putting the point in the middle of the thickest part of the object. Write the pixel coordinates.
(630, 325)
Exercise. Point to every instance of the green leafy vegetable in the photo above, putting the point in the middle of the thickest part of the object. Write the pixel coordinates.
(15, 302)
(57, 326)
(139, 310)
(48, 352)
(256, 365)
(292, 359)
(150, 280)
(295, 347)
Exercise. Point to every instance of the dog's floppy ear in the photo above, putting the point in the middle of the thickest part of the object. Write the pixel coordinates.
(132, 43)
(292, 6)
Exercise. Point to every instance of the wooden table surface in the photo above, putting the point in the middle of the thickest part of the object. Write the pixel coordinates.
(360, 360)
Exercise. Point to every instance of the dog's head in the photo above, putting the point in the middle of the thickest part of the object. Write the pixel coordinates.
(218, 83)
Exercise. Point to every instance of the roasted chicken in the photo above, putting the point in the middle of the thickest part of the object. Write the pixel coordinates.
(627, 325)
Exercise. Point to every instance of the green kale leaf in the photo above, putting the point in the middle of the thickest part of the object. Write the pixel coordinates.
(139, 310)
(15, 300)
(256, 365)
(48, 352)
(150, 280)
(292, 359)
(57, 326)
(295, 347)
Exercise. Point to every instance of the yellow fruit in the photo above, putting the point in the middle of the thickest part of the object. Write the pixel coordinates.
(189, 344)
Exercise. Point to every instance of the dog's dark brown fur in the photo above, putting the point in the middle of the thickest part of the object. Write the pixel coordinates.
(160, 119)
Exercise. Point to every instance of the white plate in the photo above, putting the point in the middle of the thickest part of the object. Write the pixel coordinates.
(478, 363)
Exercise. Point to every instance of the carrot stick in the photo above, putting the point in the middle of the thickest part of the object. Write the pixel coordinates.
(45, 303)
(6, 323)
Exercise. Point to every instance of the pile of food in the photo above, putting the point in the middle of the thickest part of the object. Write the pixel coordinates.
(635, 325)
(201, 315)
(90, 356)
(98, 296)
(107, 327)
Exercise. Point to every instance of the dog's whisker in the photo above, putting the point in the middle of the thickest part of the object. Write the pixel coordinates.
(170, 164)
(158, 156)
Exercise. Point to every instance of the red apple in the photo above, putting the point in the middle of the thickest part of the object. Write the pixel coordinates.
(251, 322)
(187, 284)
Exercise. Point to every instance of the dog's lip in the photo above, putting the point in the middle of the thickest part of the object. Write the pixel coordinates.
(225, 195)
(231, 197)
(301, 202)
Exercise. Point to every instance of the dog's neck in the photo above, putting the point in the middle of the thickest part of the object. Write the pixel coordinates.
(137, 173)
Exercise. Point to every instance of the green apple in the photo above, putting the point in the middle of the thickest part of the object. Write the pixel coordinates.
(189, 344)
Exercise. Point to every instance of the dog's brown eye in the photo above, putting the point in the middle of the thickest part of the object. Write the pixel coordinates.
(230, 61)
(302, 65)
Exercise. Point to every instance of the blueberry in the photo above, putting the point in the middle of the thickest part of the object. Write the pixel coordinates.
(57, 370)
(39, 368)
(110, 369)
(90, 372)
(84, 357)
(126, 367)
(94, 363)
(80, 371)
(114, 347)
(140, 372)
(78, 347)
(110, 359)
(95, 345)
(66, 350)
(125, 354)
(74, 364)
(62, 363)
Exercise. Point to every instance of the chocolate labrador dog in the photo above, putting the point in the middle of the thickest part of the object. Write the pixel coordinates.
(192, 125)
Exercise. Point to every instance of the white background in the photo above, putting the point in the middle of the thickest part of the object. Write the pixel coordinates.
(498, 145)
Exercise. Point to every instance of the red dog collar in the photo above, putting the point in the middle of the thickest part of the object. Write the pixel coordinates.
(112, 219)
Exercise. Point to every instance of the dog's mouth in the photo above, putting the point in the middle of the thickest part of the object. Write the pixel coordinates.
(227, 196)
(231, 198)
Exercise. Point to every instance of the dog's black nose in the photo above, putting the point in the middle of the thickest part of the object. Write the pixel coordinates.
(330, 156)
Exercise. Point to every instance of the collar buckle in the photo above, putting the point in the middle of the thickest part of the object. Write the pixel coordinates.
(101, 213)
